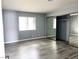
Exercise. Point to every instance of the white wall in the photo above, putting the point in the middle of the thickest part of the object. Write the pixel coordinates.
(2, 52)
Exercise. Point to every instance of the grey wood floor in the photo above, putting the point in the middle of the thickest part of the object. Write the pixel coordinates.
(41, 49)
(73, 40)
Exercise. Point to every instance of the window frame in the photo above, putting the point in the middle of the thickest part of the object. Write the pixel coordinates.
(27, 25)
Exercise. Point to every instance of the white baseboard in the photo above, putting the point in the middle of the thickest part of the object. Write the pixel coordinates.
(25, 39)
(51, 36)
(29, 39)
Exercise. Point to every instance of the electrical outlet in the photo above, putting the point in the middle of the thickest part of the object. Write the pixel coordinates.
(39, 35)
(7, 57)
(32, 35)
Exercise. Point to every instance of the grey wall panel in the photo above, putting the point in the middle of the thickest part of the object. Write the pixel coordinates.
(11, 26)
(40, 18)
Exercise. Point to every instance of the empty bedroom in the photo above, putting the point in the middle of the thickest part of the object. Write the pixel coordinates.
(40, 29)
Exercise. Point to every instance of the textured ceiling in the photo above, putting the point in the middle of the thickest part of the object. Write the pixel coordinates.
(38, 6)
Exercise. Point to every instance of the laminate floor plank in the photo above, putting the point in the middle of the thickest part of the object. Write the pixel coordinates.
(41, 49)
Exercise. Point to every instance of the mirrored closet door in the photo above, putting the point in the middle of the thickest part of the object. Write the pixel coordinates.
(73, 26)
(51, 27)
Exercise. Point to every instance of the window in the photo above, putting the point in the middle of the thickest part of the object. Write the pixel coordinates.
(27, 23)
(54, 23)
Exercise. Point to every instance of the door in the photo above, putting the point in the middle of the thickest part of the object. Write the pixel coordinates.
(62, 32)
(73, 36)
(51, 27)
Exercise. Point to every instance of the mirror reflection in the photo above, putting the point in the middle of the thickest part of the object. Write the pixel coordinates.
(51, 27)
